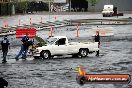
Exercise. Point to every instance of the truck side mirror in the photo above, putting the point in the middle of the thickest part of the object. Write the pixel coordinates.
(57, 43)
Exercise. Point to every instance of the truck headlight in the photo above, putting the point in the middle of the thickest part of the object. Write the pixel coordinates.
(36, 50)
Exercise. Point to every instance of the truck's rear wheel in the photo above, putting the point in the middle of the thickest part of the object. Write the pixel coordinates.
(45, 54)
(83, 52)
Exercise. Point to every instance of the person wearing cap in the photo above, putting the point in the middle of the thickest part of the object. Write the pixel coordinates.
(23, 50)
(5, 45)
(97, 39)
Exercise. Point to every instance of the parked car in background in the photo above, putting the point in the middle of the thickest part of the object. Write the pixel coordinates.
(108, 11)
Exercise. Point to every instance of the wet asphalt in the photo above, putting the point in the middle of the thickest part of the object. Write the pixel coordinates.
(59, 72)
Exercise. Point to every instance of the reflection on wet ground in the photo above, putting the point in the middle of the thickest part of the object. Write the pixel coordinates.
(59, 72)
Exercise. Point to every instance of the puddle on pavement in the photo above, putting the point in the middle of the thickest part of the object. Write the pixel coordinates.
(120, 63)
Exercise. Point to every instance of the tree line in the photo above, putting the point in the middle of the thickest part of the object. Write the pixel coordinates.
(22, 7)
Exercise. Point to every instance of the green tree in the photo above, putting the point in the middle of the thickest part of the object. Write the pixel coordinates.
(21, 6)
(5, 8)
(93, 3)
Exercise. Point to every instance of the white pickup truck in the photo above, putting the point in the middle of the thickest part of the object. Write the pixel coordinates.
(108, 11)
(59, 45)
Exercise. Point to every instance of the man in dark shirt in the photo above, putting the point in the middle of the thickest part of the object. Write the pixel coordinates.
(24, 49)
(97, 39)
(5, 45)
(25, 38)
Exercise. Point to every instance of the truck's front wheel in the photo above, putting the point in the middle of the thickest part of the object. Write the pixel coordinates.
(83, 52)
(45, 54)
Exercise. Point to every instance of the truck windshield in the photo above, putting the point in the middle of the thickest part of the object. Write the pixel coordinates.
(51, 40)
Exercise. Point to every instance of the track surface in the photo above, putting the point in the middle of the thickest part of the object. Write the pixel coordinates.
(59, 72)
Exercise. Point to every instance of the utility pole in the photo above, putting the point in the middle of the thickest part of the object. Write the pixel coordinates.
(70, 5)
(49, 10)
(49, 6)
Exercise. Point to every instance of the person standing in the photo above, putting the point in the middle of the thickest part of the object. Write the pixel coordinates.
(23, 50)
(3, 82)
(52, 7)
(5, 45)
(97, 39)
(26, 47)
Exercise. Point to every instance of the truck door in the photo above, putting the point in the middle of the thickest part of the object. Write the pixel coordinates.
(60, 47)
(72, 49)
